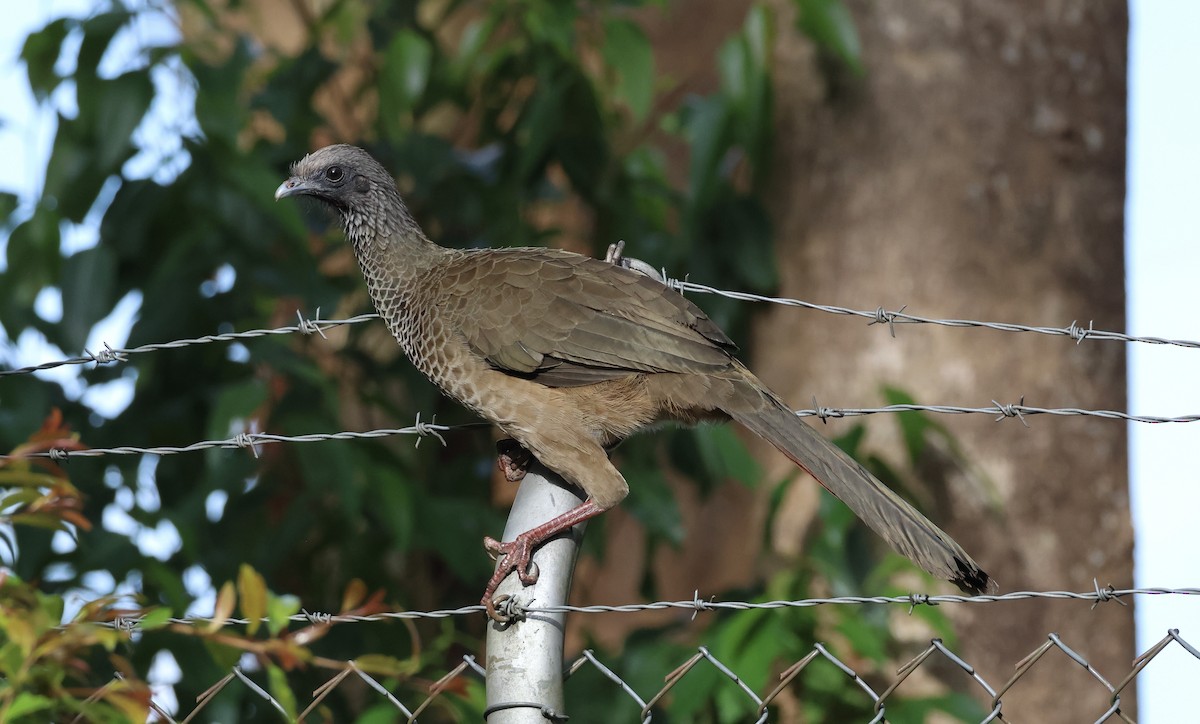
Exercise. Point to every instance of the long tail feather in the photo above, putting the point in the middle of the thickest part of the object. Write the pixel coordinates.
(901, 525)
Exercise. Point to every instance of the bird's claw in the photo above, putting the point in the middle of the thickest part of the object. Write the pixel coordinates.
(513, 556)
(616, 256)
(512, 459)
(616, 253)
(492, 605)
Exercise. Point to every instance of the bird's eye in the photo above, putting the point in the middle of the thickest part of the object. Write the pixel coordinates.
(334, 174)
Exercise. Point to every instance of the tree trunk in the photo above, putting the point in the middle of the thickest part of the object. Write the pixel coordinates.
(975, 171)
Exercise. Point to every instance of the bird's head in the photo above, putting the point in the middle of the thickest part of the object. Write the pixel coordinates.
(348, 180)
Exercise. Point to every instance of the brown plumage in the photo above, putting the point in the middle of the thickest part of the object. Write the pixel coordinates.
(569, 355)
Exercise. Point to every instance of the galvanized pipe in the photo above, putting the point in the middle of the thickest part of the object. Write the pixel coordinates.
(525, 657)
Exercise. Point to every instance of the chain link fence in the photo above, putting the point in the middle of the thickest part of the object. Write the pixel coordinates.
(1099, 702)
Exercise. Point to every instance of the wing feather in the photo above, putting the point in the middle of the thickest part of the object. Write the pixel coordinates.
(565, 319)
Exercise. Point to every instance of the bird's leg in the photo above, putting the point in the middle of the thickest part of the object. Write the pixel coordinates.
(515, 555)
(513, 459)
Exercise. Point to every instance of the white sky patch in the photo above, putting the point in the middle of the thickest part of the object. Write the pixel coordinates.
(199, 585)
(214, 505)
(1162, 248)
(163, 675)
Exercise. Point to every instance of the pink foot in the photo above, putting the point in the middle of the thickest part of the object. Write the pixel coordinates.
(512, 459)
(514, 555)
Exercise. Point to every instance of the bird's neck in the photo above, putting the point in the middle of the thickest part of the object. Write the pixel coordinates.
(393, 253)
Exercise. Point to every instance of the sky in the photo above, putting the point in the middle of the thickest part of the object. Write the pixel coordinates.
(1163, 261)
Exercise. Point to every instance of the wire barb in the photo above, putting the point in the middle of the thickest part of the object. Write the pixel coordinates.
(1077, 333)
(106, 355)
(1011, 411)
(919, 599)
(882, 316)
(310, 326)
(1104, 595)
(427, 429)
(246, 440)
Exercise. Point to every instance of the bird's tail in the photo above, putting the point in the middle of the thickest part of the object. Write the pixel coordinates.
(901, 525)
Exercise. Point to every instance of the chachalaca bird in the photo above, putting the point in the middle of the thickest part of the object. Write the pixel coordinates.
(569, 355)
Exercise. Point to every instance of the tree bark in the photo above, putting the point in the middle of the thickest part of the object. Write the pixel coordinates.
(975, 171)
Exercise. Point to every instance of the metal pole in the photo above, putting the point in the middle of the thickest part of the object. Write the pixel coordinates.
(525, 657)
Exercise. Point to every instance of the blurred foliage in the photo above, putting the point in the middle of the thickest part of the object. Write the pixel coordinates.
(512, 123)
(829, 24)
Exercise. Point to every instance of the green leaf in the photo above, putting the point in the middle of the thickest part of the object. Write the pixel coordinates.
(706, 127)
(451, 526)
(470, 48)
(397, 511)
(280, 609)
(758, 33)
(224, 657)
(40, 53)
(39, 520)
(73, 179)
(745, 226)
(88, 289)
(98, 32)
(33, 259)
(327, 469)
(27, 703)
(540, 123)
(552, 22)
(948, 707)
(735, 69)
(223, 610)
(8, 204)
(652, 503)
(913, 424)
(744, 66)
(865, 640)
(155, 619)
(726, 455)
(118, 109)
(278, 685)
(627, 50)
(221, 110)
(288, 98)
(236, 401)
(252, 592)
(406, 67)
(829, 24)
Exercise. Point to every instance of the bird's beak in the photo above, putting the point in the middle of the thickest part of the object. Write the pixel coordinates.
(292, 187)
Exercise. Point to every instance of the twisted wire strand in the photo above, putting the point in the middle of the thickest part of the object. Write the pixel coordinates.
(696, 604)
(422, 430)
(879, 315)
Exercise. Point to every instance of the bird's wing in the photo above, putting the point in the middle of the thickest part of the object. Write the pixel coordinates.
(566, 320)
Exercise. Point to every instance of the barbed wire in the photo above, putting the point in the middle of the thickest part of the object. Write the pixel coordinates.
(109, 354)
(879, 315)
(1001, 411)
(757, 706)
(696, 605)
(252, 440)
(422, 429)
